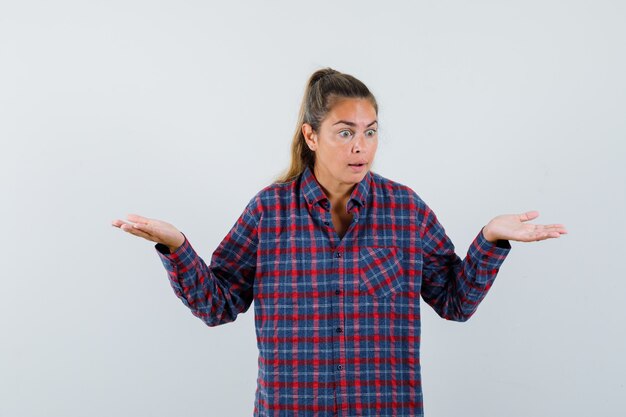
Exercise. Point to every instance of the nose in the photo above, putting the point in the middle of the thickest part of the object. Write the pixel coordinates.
(358, 143)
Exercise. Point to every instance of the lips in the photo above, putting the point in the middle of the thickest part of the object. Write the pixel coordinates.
(358, 167)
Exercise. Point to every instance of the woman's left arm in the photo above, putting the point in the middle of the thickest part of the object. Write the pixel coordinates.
(455, 287)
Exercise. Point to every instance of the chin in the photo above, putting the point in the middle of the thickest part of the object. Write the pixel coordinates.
(357, 177)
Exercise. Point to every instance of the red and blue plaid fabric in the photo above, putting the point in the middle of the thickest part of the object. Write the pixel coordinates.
(337, 320)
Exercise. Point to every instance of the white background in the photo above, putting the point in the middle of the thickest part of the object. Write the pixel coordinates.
(183, 110)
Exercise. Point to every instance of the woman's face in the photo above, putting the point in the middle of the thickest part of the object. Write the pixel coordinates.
(345, 143)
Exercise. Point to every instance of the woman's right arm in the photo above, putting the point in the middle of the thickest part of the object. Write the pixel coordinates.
(218, 292)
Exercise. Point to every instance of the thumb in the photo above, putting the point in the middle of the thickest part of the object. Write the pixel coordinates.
(529, 215)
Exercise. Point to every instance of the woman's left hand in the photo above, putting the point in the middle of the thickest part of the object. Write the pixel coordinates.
(513, 227)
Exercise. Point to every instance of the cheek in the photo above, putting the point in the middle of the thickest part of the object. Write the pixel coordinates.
(372, 149)
(327, 157)
(332, 155)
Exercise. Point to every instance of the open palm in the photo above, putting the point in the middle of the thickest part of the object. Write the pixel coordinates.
(514, 227)
(152, 229)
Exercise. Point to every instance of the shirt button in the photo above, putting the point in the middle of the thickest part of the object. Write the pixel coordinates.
(338, 255)
(327, 223)
(340, 367)
(356, 219)
(339, 329)
(337, 292)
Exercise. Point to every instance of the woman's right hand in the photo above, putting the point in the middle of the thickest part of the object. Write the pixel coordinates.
(152, 229)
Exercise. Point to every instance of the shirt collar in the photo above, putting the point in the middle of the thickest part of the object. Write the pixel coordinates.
(314, 194)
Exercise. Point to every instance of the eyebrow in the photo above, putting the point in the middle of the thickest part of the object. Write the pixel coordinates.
(345, 122)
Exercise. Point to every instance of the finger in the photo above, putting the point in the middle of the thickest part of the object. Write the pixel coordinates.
(529, 215)
(145, 228)
(555, 228)
(547, 235)
(117, 223)
(534, 233)
(561, 226)
(136, 231)
(137, 218)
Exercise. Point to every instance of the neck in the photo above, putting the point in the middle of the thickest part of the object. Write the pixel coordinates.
(337, 192)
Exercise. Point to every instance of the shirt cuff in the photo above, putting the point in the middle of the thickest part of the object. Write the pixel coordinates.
(181, 259)
(489, 254)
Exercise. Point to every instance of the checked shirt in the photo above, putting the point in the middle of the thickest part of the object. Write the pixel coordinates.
(337, 320)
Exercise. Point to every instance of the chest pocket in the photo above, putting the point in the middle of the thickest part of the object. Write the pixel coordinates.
(381, 272)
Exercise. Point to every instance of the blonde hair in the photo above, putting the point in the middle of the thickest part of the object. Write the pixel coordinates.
(322, 91)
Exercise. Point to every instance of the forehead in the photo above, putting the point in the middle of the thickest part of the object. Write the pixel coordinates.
(354, 110)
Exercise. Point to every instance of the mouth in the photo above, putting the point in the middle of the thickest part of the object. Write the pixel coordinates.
(359, 167)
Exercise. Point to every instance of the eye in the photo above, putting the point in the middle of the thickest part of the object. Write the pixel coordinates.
(370, 132)
(345, 134)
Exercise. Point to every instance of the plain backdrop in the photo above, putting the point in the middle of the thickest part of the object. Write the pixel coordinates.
(183, 110)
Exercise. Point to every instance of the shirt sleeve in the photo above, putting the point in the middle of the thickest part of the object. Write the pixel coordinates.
(216, 293)
(455, 287)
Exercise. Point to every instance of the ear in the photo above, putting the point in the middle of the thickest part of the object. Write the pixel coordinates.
(309, 136)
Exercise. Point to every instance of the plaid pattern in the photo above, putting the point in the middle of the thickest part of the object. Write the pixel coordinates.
(337, 320)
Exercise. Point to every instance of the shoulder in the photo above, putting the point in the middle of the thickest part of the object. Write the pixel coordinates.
(394, 190)
(272, 196)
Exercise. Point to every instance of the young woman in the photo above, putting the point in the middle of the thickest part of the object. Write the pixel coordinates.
(336, 258)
